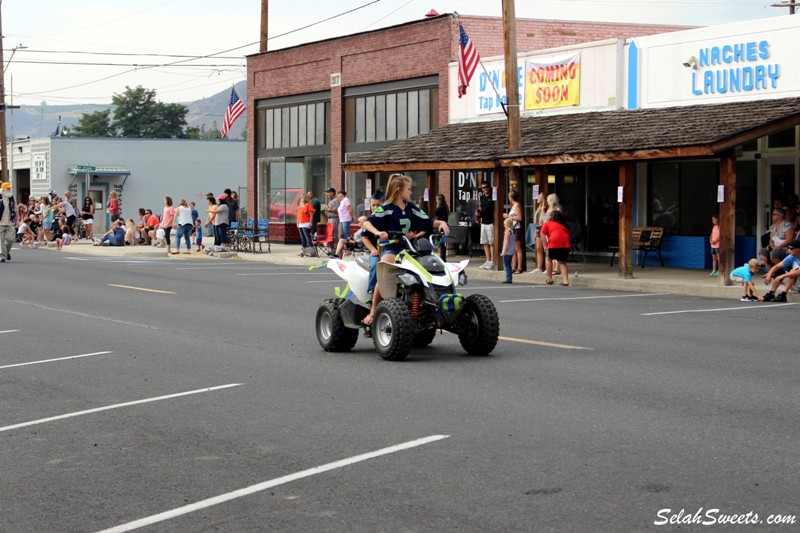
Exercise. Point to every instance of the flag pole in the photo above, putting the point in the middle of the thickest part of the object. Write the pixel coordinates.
(488, 77)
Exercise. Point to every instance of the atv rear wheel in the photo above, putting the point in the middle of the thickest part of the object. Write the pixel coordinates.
(480, 325)
(392, 330)
(332, 334)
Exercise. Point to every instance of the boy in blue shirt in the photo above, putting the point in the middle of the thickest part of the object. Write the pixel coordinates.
(791, 271)
(744, 275)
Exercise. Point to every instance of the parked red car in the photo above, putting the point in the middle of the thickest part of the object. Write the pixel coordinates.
(283, 205)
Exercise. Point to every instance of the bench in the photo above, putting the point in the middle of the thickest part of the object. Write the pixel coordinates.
(645, 239)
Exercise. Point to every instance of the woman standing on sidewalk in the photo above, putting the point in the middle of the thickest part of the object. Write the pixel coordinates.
(556, 234)
(515, 214)
(167, 218)
(305, 211)
(87, 215)
(183, 223)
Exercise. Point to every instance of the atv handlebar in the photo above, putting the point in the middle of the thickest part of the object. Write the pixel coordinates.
(397, 237)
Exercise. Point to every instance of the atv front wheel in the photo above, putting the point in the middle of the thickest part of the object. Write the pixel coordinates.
(332, 334)
(392, 330)
(480, 325)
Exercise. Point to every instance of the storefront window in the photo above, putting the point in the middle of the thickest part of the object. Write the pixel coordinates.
(294, 125)
(466, 190)
(283, 179)
(783, 139)
(682, 196)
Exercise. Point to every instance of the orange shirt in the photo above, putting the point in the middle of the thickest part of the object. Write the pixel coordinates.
(304, 213)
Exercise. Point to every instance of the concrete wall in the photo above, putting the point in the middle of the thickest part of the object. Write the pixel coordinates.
(158, 167)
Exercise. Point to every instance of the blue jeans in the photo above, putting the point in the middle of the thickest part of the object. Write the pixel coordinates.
(305, 237)
(186, 232)
(507, 265)
(345, 226)
(373, 272)
(220, 234)
(112, 240)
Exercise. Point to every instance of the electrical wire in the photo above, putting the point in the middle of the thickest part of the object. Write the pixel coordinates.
(50, 91)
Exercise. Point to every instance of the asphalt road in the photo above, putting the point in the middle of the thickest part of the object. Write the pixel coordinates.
(597, 410)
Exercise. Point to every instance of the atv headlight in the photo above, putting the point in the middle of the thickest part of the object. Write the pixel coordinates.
(407, 279)
(462, 279)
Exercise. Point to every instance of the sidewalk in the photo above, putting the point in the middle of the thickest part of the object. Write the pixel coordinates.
(589, 275)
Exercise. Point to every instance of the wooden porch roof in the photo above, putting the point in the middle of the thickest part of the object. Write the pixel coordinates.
(622, 135)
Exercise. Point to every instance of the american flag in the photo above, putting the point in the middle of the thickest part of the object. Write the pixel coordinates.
(234, 111)
(468, 59)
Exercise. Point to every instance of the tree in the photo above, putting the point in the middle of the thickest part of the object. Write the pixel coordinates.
(97, 124)
(138, 114)
(200, 132)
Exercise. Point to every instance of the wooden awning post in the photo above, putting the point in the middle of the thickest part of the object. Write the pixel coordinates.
(500, 182)
(433, 190)
(727, 218)
(626, 171)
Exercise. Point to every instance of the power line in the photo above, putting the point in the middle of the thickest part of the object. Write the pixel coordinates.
(138, 65)
(142, 54)
(204, 56)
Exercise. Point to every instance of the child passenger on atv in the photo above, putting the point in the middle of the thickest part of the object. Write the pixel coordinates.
(397, 214)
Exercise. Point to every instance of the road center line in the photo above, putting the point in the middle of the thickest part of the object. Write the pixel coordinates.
(54, 360)
(140, 289)
(542, 343)
(9, 331)
(740, 308)
(115, 406)
(583, 298)
(252, 489)
(337, 280)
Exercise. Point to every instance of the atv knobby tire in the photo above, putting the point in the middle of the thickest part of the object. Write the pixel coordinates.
(424, 338)
(332, 334)
(392, 330)
(480, 325)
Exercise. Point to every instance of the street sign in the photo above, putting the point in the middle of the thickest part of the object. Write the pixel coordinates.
(86, 168)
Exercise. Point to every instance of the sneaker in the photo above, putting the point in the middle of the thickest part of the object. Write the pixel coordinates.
(753, 298)
(745, 299)
(780, 298)
(770, 296)
(715, 274)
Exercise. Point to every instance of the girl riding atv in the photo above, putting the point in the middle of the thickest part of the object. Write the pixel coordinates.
(397, 214)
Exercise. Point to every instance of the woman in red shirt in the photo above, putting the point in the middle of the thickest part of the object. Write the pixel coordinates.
(305, 211)
(556, 234)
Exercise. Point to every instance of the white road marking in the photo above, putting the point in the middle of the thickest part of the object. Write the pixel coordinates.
(583, 298)
(53, 360)
(747, 307)
(252, 489)
(77, 258)
(240, 268)
(115, 406)
(273, 274)
(511, 286)
(87, 315)
(337, 280)
(9, 331)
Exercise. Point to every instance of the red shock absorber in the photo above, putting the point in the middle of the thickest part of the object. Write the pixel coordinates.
(415, 305)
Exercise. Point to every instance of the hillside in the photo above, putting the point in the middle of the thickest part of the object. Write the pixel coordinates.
(41, 120)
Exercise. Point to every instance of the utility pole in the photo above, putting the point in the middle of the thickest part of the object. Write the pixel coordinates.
(791, 5)
(3, 141)
(264, 32)
(512, 106)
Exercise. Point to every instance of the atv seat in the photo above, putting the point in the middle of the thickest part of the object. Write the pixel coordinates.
(363, 262)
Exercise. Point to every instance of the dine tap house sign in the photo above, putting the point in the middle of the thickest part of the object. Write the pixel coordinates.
(552, 82)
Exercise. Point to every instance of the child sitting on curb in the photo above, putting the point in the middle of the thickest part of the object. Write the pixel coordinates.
(744, 275)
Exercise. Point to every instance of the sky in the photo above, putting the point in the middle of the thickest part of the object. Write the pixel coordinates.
(48, 33)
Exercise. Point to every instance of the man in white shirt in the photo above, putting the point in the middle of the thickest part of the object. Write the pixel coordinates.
(8, 216)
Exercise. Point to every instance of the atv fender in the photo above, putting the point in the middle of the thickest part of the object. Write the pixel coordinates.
(352, 314)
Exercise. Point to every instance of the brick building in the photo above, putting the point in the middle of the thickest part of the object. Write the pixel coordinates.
(316, 103)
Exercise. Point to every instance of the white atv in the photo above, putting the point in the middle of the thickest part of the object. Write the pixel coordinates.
(419, 298)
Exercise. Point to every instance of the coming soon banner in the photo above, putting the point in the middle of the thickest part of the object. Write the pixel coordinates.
(553, 82)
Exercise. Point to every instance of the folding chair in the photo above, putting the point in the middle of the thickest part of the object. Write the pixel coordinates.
(260, 236)
(324, 244)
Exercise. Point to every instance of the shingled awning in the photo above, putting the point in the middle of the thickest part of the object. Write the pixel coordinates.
(623, 135)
